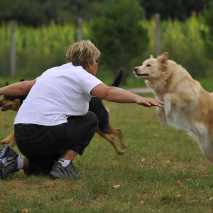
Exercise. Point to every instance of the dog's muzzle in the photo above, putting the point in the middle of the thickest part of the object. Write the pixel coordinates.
(138, 74)
(135, 72)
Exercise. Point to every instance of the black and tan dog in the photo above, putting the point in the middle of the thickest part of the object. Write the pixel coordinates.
(112, 135)
(10, 103)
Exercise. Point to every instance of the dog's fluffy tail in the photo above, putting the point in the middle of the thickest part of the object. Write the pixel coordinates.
(118, 79)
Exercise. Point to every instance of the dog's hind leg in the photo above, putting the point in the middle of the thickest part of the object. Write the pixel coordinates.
(201, 135)
(115, 138)
(118, 137)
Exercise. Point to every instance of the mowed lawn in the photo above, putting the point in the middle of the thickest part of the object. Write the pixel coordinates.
(162, 171)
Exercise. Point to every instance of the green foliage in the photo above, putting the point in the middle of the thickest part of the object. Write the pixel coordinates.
(4, 48)
(207, 83)
(208, 18)
(118, 33)
(184, 43)
(25, 12)
(124, 44)
(40, 12)
(43, 12)
(179, 9)
(37, 49)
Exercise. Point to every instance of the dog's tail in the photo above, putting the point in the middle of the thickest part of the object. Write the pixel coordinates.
(118, 79)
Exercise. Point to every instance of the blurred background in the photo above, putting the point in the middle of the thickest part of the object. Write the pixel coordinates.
(34, 34)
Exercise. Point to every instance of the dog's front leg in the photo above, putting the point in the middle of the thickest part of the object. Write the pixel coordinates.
(184, 102)
(174, 101)
(168, 99)
(161, 115)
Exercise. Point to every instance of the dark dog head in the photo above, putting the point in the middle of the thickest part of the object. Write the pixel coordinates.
(10, 103)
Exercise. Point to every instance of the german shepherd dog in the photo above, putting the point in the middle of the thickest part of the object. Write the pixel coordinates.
(113, 135)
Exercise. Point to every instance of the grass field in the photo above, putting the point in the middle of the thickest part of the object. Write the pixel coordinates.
(162, 171)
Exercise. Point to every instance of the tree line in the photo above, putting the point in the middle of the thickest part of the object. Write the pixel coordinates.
(41, 12)
(122, 30)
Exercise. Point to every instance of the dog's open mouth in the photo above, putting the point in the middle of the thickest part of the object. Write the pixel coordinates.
(138, 74)
(142, 74)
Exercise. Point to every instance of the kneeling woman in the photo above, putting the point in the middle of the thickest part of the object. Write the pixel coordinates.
(53, 125)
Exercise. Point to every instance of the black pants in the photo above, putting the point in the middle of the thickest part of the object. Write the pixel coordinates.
(43, 145)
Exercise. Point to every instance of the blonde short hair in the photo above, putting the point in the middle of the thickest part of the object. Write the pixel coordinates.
(82, 53)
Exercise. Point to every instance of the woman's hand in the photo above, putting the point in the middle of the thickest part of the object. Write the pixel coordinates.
(149, 102)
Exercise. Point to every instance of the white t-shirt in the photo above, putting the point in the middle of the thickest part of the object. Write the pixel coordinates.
(58, 93)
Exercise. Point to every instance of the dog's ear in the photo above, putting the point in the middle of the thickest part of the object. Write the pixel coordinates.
(163, 58)
(151, 57)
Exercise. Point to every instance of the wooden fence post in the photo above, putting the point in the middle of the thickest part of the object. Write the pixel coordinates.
(79, 33)
(13, 49)
(157, 34)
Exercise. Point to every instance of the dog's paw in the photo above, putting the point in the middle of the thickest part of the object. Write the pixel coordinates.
(8, 140)
(5, 141)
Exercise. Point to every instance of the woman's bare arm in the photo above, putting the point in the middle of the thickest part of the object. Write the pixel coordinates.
(17, 89)
(119, 95)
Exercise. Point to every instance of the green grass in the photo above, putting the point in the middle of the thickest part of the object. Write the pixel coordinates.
(162, 171)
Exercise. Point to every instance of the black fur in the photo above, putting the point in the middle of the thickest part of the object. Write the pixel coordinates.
(96, 105)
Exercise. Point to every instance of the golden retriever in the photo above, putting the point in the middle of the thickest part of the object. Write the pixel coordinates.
(187, 105)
